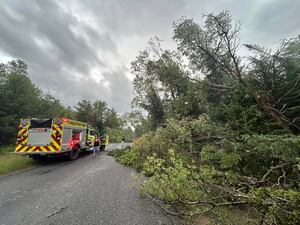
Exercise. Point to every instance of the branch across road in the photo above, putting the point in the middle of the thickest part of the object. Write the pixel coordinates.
(90, 190)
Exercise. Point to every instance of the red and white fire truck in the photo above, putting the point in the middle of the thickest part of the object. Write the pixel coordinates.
(42, 137)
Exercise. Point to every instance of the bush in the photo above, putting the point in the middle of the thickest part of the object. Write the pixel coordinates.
(171, 181)
(186, 137)
(128, 156)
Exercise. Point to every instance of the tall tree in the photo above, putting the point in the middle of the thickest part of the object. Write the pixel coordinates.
(112, 119)
(213, 49)
(98, 116)
(275, 78)
(19, 98)
(162, 85)
(51, 107)
(84, 112)
(139, 122)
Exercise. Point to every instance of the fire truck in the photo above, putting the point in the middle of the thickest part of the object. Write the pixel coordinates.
(40, 138)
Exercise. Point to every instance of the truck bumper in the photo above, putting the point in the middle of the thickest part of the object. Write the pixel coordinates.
(41, 153)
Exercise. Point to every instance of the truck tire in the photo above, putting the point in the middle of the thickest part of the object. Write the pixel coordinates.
(74, 153)
(102, 147)
(84, 149)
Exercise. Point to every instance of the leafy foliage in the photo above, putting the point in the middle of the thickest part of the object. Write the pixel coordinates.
(275, 78)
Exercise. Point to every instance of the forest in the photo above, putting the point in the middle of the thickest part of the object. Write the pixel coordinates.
(221, 132)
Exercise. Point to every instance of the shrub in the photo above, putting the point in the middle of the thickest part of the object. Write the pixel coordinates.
(128, 156)
(170, 181)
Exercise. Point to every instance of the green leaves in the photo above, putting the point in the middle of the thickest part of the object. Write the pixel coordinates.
(170, 181)
(274, 76)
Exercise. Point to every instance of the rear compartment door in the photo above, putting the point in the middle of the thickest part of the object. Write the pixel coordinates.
(39, 132)
(39, 136)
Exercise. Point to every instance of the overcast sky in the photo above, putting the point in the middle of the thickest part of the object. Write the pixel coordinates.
(82, 49)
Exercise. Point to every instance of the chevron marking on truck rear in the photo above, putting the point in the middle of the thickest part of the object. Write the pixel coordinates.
(22, 138)
(55, 141)
(56, 132)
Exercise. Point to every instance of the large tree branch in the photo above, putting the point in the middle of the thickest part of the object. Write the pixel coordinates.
(230, 46)
(275, 113)
(273, 168)
(218, 61)
(290, 90)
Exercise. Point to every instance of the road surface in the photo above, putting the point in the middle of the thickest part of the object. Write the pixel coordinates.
(90, 190)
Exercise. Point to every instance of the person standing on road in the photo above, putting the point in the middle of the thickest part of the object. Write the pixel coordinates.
(123, 141)
(104, 141)
(97, 144)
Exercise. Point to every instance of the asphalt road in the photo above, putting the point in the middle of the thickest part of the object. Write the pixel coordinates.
(90, 190)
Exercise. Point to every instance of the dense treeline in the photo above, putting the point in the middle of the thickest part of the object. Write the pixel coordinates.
(221, 131)
(20, 98)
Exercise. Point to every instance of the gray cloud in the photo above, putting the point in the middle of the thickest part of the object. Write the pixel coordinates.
(135, 16)
(60, 51)
(44, 32)
(82, 49)
(279, 17)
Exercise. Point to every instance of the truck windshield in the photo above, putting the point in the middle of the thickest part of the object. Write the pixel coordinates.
(35, 123)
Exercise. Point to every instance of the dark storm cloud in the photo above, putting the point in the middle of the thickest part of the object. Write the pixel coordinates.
(59, 50)
(25, 24)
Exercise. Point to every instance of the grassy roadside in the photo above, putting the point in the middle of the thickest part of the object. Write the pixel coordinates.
(10, 162)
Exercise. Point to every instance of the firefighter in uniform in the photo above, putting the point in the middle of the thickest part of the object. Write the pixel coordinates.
(104, 141)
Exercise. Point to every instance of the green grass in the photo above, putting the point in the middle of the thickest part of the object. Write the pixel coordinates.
(11, 163)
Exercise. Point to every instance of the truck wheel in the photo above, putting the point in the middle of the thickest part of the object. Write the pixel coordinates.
(73, 154)
(102, 147)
